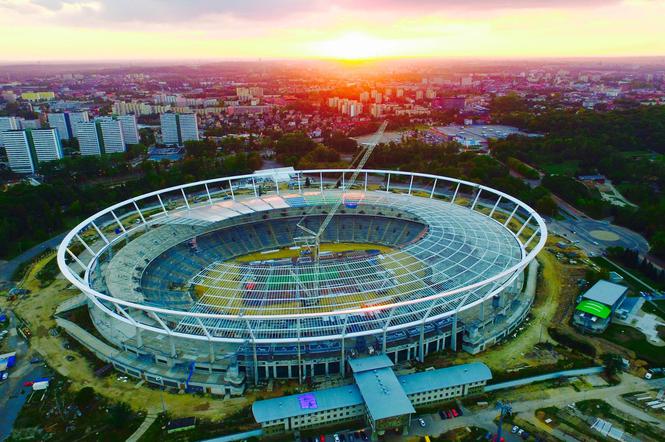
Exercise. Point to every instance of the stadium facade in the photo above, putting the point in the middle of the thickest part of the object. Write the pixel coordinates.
(207, 286)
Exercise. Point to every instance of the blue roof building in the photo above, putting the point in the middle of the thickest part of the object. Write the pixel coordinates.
(385, 400)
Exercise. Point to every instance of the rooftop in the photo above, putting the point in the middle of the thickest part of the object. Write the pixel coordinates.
(445, 377)
(372, 363)
(307, 403)
(605, 292)
(594, 308)
(384, 394)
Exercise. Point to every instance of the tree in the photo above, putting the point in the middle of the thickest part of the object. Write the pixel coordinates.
(119, 414)
(147, 136)
(291, 147)
(341, 143)
(613, 364)
(201, 148)
(84, 397)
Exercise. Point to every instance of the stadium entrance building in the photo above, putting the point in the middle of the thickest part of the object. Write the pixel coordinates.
(382, 399)
(594, 312)
(208, 286)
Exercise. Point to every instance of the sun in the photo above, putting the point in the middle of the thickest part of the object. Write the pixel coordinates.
(353, 46)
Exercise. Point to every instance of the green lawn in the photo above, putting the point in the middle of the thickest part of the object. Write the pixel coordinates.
(629, 280)
(568, 168)
(635, 340)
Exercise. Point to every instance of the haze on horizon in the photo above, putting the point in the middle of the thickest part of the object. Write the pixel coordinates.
(144, 30)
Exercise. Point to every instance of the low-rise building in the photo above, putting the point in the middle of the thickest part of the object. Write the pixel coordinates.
(594, 312)
(378, 396)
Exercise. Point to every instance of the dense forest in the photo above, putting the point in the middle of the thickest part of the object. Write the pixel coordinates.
(75, 188)
(627, 146)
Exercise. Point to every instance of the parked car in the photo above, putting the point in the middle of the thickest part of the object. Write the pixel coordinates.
(422, 423)
(442, 414)
(515, 429)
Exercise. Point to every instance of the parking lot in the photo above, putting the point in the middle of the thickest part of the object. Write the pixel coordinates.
(360, 435)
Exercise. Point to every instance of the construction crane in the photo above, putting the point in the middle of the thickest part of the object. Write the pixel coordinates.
(312, 239)
(505, 409)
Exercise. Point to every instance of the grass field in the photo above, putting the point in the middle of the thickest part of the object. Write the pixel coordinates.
(226, 294)
(635, 340)
(288, 253)
(568, 168)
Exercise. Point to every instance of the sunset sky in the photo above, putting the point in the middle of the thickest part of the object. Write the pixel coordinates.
(64, 30)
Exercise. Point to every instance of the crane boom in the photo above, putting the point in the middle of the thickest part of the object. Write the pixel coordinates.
(368, 151)
(312, 239)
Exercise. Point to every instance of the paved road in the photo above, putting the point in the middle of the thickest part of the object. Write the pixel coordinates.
(147, 422)
(12, 393)
(582, 230)
(7, 268)
(557, 398)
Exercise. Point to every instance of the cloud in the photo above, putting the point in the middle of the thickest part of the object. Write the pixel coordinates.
(182, 11)
(177, 11)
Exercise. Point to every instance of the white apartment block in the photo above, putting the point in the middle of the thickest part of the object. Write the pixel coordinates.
(46, 144)
(130, 130)
(25, 148)
(112, 136)
(101, 136)
(67, 122)
(8, 123)
(179, 128)
(89, 139)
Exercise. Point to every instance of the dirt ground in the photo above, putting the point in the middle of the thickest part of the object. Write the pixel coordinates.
(557, 287)
(556, 290)
(38, 308)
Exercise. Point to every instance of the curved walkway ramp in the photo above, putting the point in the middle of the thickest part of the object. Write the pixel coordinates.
(545, 377)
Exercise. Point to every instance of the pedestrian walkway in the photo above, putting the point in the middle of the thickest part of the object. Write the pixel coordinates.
(544, 377)
(237, 436)
(147, 422)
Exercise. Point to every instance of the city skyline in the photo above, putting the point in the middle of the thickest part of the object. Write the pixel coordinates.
(294, 29)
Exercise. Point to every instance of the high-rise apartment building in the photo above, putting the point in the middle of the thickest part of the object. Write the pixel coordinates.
(130, 132)
(178, 128)
(246, 93)
(26, 148)
(67, 122)
(101, 136)
(8, 123)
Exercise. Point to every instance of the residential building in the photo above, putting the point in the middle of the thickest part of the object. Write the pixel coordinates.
(128, 126)
(8, 123)
(179, 128)
(130, 130)
(67, 122)
(38, 96)
(100, 137)
(247, 93)
(26, 148)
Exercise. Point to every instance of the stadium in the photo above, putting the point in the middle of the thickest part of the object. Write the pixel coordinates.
(218, 285)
